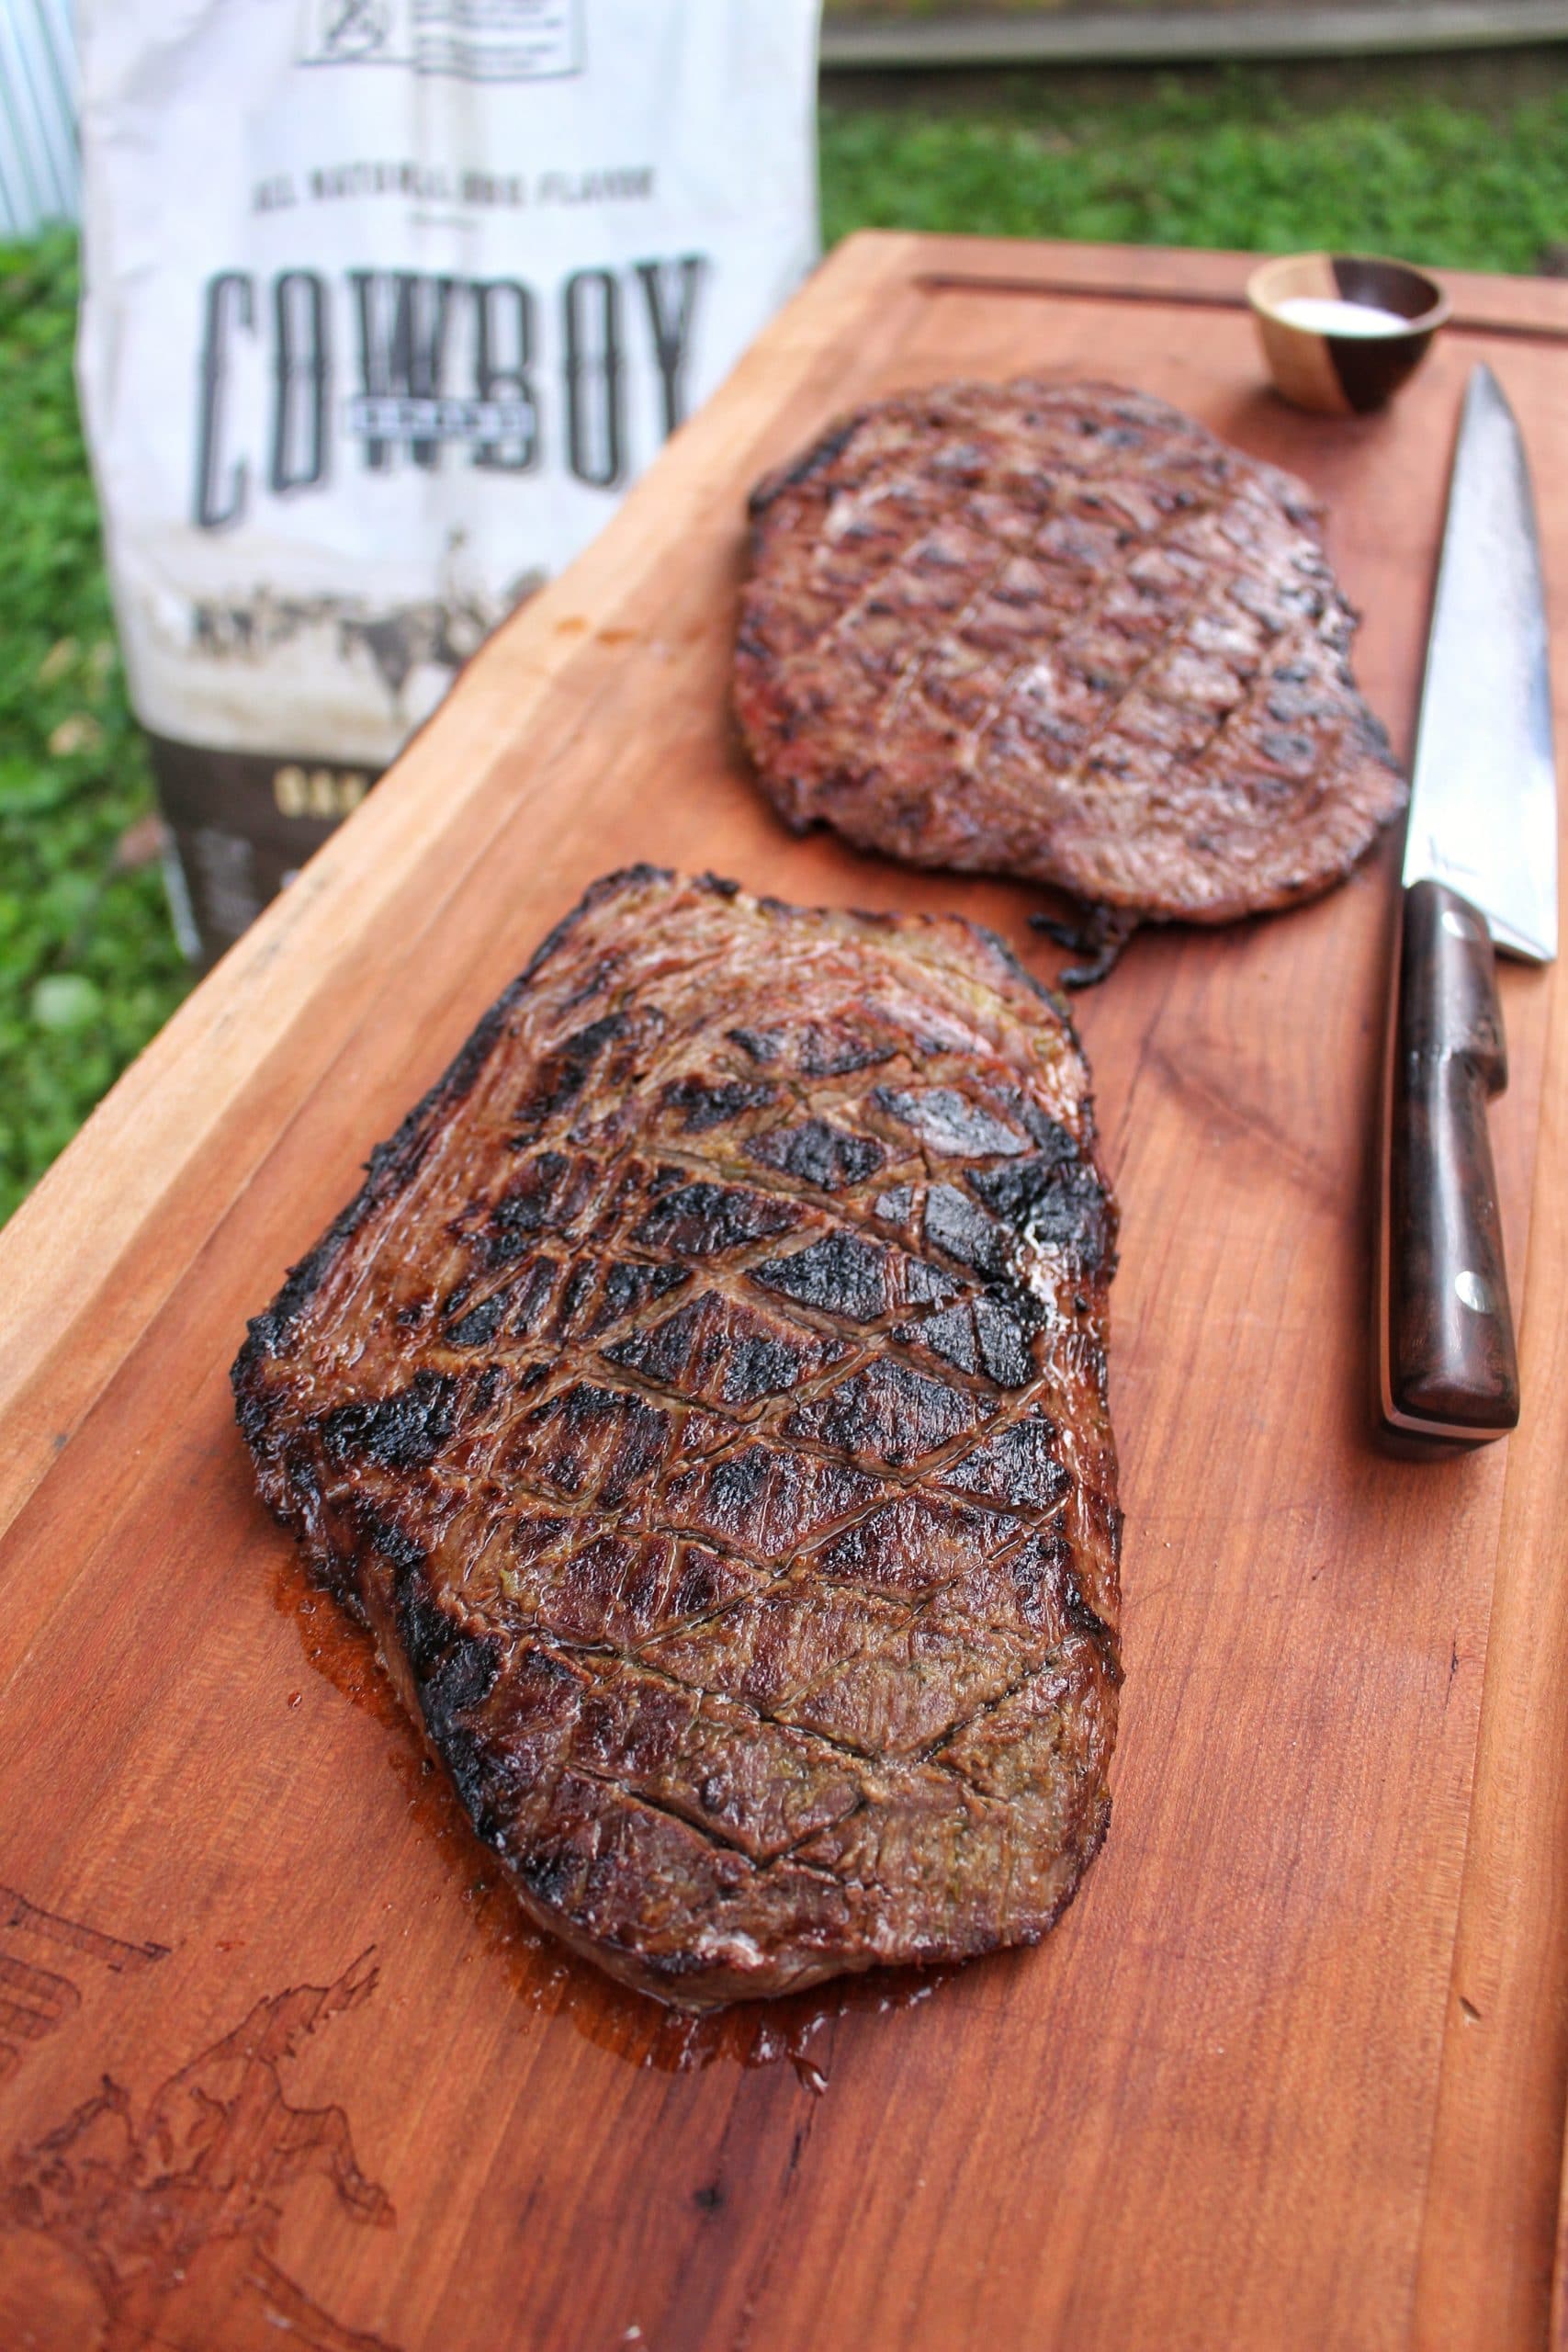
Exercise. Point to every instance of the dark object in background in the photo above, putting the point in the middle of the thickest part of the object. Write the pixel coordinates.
(1060, 632)
(242, 824)
(705, 1401)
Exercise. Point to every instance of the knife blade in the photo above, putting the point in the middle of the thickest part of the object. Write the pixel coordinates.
(1480, 872)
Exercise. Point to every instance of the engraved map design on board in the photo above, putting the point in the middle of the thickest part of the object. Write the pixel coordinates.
(160, 2230)
(35, 2000)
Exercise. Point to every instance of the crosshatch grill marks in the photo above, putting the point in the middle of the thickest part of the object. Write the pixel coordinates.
(705, 1401)
(1103, 650)
(716, 1347)
(1010, 528)
(1076, 624)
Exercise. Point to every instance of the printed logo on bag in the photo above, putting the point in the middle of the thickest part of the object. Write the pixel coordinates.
(435, 361)
(478, 41)
(354, 29)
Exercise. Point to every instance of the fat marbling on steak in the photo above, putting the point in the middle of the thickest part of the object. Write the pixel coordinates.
(1062, 632)
(703, 1399)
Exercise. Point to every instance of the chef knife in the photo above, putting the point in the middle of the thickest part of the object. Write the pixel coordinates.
(1480, 872)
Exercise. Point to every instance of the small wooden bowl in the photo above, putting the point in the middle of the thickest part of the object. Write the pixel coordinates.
(1344, 373)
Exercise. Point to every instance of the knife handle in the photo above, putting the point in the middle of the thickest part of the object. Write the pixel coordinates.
(1449, 1370)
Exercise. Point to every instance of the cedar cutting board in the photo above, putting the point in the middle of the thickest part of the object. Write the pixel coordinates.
(279, 2064)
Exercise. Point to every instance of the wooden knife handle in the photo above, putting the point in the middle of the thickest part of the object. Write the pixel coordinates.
(1448, 1366)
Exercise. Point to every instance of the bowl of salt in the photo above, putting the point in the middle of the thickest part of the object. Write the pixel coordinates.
(1342, 332)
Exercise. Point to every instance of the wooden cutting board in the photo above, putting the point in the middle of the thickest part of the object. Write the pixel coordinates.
(278, 2062)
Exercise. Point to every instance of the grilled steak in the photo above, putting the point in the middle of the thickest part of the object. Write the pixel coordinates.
(703, 1399)
(1060, 632)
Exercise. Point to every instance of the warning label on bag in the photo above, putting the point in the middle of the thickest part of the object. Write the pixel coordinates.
(480, 40)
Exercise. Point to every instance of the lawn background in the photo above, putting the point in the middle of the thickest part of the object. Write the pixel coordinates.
(1455, 166)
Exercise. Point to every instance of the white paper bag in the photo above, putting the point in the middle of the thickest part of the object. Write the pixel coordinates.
(387, 302)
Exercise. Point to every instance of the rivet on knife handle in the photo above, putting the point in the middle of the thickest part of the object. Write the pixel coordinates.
(1448, 1366)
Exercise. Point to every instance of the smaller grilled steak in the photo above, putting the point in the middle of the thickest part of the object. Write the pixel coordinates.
(705, 1401)
(1062, 633)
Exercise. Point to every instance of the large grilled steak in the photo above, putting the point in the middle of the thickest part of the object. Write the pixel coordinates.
(705, 1401)
(1060, 632)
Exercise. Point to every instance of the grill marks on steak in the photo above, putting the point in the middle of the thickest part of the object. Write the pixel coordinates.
(705, 1401)
(1060, 632)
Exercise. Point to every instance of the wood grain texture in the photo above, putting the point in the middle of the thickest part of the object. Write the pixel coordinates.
(1239, 2097)
(1488, 2260)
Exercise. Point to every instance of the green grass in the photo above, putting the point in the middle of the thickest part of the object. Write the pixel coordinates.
(1221, 161)
(88, 967)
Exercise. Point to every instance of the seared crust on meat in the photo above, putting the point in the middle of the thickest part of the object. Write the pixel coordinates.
(703, 1399)
(1060, 632)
